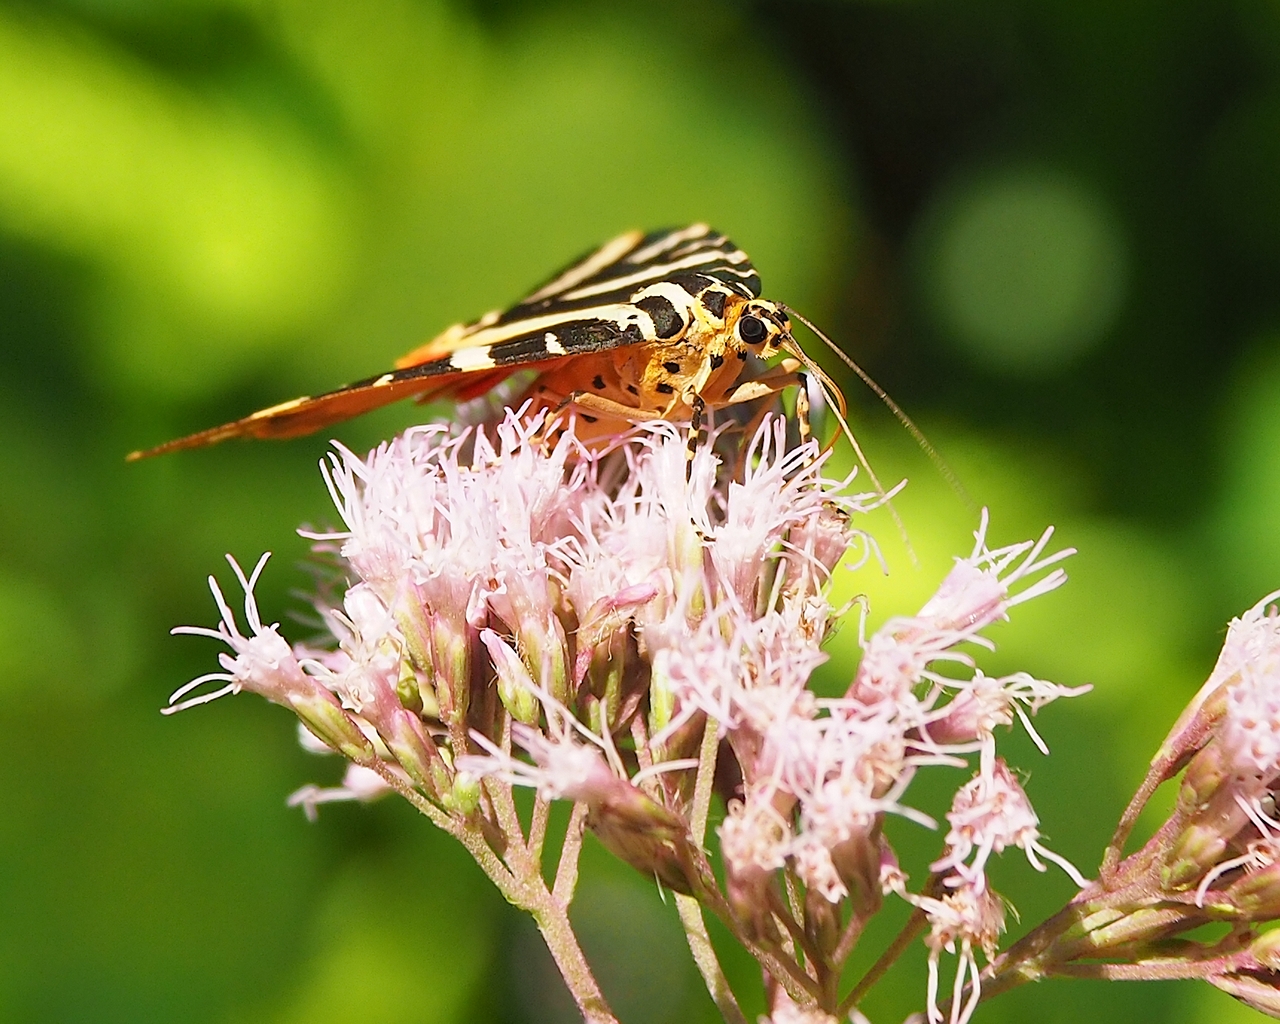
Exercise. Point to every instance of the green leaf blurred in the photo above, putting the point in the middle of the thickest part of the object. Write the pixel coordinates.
(1051, 230)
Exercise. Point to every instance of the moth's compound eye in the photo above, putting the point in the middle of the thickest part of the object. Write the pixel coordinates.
(752, 330)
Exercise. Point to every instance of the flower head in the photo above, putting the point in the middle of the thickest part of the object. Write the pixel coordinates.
(632, 628)
(989, 813)
(961, 922)
(264, 662)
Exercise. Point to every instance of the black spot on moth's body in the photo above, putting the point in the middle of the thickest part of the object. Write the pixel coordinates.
(587, 418)
(717, 361)
(597, 382)
(665, 389)
(671, 367)
(633, 389)
(742, 354)
(667, 323)
(714, 301)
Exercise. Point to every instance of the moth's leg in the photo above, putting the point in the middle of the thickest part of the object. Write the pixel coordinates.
(803, 426)
(631, 414)
(607, 407)
(777, 379)
(697, 435)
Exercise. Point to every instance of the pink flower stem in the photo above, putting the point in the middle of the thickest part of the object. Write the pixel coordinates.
(783, 968)
(704, 955)
(1106, 927)
(1162, 969)
(1115, 848)
(1118, 924)
(504, 812)
(538, 826)
(501, 796)
(1135, 871)
(552, 918)
(705, 781)
(520, 881)
(849, 938)
(567, 870)
(782, 912)
(695, 925)
(550, 909)
(788, 973)
(1028, 959)
(916, 924)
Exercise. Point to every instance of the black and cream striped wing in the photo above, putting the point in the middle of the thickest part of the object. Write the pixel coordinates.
(691, 257)
(604, 286)
(589, 307)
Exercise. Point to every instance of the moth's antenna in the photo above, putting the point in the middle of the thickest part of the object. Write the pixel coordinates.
(917, 434)
(836, 403)
(831, 391)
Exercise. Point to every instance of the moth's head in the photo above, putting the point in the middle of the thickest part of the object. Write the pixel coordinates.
(760, 327)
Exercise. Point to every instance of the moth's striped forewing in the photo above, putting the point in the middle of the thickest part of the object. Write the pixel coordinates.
(635, 290)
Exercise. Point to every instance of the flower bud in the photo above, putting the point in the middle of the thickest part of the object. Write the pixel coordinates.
(1266, 950)
(1197, 850)
(1207, 838)
(515, 686)
(321, 713)
(407, 691)
(451, 660)
(662, 698)
(1110, 928)
(1257, 894)
(1256, 990)
(1204, 776)
(641, 832)
(858, 859)
(463, 796)
(822, 921)
(545, 651)
(411, 746)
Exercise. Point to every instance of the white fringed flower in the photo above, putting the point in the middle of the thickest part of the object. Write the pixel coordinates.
(628, 629)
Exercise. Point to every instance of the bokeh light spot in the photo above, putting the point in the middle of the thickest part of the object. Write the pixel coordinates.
(1023, 269)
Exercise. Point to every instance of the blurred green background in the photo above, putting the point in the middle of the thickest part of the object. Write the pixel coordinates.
(1050, 229)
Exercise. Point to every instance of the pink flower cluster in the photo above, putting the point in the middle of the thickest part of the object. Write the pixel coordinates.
(622, 629)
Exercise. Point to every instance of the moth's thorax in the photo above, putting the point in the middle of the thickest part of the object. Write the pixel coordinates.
(719, 332)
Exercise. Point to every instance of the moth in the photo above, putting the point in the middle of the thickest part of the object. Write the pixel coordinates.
(664, 325)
